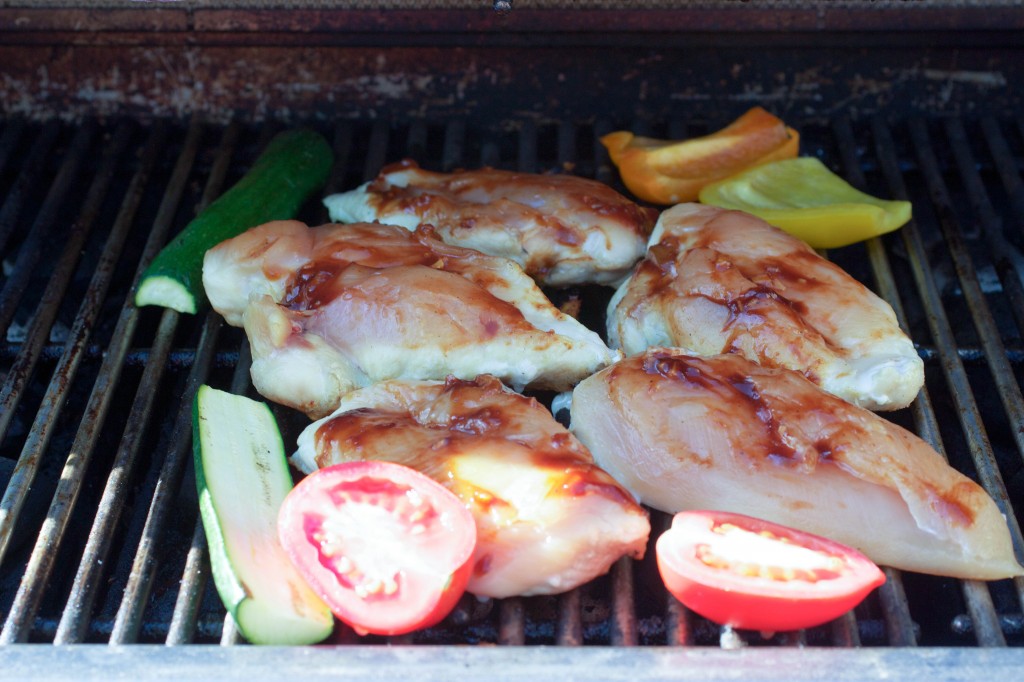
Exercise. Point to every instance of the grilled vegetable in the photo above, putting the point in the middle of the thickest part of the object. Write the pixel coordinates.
(803, 197)
(386, 547)
(740, 571)
(674, 171)
(243, 477)
(293, 166)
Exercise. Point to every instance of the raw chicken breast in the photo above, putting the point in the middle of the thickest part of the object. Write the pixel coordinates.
(336, 307)
(722, 433)
(561, 229)
(548, 519)
(717, 281)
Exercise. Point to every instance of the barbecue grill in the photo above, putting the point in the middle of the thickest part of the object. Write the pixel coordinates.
(118, 121)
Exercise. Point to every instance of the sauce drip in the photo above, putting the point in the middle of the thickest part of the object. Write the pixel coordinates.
(737, 388)
(313, 285)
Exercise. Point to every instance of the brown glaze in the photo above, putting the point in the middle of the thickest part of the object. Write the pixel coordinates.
(742, 305)
(450, 422)
(540, 221)
(734, 387)
(954, 505)
(776, 302)
(590, 194)
(686, 432)
(393, 281)
(313, 285)
(801, 426)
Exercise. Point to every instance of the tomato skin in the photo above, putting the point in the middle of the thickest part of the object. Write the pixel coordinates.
(733, 597)
(384, 565)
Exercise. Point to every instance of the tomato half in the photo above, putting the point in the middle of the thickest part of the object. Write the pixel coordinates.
(385, 547)
(740, 571)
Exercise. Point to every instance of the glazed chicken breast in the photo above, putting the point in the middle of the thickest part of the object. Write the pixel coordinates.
(722, 433)
(548, 519)
(561, 229)
(336, 307)
(716, 281)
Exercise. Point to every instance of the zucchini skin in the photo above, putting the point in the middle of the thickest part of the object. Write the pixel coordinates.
(294, 165)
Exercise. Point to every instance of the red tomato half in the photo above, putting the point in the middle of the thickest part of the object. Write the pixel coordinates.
(748, 573)
(385, 547)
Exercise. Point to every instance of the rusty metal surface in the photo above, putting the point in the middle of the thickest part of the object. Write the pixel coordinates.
(501, 84)
(479, 15)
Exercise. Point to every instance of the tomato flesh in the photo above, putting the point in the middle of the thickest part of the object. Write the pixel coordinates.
(388, 549)
(753, 574)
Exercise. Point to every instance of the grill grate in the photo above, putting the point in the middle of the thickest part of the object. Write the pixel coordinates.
(100, 540)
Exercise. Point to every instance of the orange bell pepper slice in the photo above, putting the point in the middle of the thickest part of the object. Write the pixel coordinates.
(674, 171)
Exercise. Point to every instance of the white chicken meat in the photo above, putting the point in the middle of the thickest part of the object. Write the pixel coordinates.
(684, 432)
(548, 519)
(337, 307)
(717, 281)
(561, 229)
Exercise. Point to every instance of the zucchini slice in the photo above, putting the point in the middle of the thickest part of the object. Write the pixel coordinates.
(295, 164)
(243, 478)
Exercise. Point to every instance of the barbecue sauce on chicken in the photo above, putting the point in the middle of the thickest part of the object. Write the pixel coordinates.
(773, 442)
(464, 416)
(733, 387)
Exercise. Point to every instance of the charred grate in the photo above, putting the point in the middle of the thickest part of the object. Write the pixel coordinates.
(100, 540)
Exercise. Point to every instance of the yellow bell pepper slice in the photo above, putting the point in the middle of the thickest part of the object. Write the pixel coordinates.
(673, 171)
(804, 198)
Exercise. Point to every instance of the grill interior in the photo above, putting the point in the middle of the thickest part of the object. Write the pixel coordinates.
(100, 541)
(100, 535)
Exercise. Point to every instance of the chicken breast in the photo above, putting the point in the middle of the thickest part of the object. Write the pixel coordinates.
(548, 519)
(333, 308)
(717, 281)
(561, 229)
(722, 433)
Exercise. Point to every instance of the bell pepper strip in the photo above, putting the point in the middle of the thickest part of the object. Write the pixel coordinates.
(804, 198)
(673, 171)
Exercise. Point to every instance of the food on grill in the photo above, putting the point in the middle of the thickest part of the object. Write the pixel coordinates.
(749, 573)
(295, 164)
(548, 519)
(717, 281)
(804, 198)
(684, 432)
(386, 547)
(561, 229)
(243, 478)
(336, 307)
(674, 171)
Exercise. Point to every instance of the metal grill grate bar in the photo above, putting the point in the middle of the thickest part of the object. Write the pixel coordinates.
(32, 247)
(9, 140)
(133, 602)
(981, 313)
(893, 598)
(46, 311)
(74, 621)
(995, 352)
(996, 355)
(975, 593)
(632, 610)
(40, 564)
(28, 177)
(1004, 163)
(185, 618)
(136, 593)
